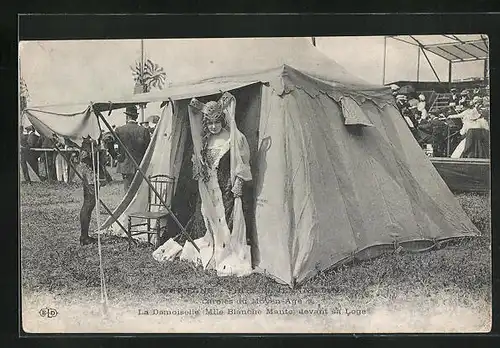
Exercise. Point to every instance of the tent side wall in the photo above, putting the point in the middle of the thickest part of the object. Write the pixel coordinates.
(326, 187)
(332, 191)
(272, 215)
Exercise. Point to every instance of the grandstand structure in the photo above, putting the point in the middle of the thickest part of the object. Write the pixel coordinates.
(453, 48)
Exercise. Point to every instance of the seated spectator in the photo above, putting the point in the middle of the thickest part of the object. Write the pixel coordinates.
(395, 90)
(464, 98)
(404, 109)
(477, 92)
(453, 101)
(421, 107)
(401, 102)
(433, 130)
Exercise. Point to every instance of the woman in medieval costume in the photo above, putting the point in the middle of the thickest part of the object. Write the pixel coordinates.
(221, 165)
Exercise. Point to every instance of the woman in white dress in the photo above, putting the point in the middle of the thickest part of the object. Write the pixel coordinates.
(62, 167)
(471, 119)
(221, 165)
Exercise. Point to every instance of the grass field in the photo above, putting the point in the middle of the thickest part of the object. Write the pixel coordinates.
(401, 292)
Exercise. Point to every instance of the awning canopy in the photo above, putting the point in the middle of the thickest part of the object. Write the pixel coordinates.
(453, 48)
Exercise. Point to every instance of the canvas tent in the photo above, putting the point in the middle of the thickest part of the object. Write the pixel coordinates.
(336, 172)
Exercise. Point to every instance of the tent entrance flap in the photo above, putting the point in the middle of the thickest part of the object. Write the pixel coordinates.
(151, 186)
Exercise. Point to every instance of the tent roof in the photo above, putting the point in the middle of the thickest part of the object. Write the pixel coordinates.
(214, 85)
(453, 48)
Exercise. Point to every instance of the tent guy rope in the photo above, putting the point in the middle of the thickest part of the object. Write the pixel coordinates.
(95, 171)
(145, 178)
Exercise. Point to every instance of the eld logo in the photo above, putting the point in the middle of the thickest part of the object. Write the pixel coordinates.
(48, 312)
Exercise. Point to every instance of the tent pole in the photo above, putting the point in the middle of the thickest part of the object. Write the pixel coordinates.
(385, 57)
(47, 171)
(486, 71)
(450, 65)
(430, 64)
(145, 178)
(448, 141)
(142, 77)
(418, 64)
(81, 178)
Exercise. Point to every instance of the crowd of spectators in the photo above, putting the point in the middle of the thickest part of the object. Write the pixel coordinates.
(37, 152)
(440, 131)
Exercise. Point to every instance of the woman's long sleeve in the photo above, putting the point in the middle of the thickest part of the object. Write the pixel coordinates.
(196, 167)
(242, 168)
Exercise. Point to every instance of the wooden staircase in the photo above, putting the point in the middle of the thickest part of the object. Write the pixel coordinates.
(441, 101)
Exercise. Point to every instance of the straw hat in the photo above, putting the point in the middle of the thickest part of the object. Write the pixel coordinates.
(477, 100)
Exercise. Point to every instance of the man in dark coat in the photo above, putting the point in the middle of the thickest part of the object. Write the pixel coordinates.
(454, 98)
(33, 141)
(23, 142)
(49, 158)
(136, 138)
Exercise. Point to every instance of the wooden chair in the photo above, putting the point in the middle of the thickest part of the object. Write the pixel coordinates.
(163, 184)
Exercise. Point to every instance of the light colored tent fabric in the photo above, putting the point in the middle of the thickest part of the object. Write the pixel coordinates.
(163, 156)
(341, 191)
(329, 189)
(73, 122)
(336, 171)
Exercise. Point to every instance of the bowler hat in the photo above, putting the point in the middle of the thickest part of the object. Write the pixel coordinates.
(131, 111)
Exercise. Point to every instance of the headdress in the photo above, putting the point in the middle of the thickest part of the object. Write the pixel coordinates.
(213, 110)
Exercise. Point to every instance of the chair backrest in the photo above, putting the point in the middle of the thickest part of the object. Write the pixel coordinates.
(164, 185)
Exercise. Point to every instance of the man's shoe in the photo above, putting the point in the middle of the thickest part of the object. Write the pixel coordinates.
(87, 240)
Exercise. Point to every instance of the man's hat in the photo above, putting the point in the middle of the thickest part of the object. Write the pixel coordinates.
(464, 92)
(131, 111)
(453, 89)
(477, 100)
(400, 96)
